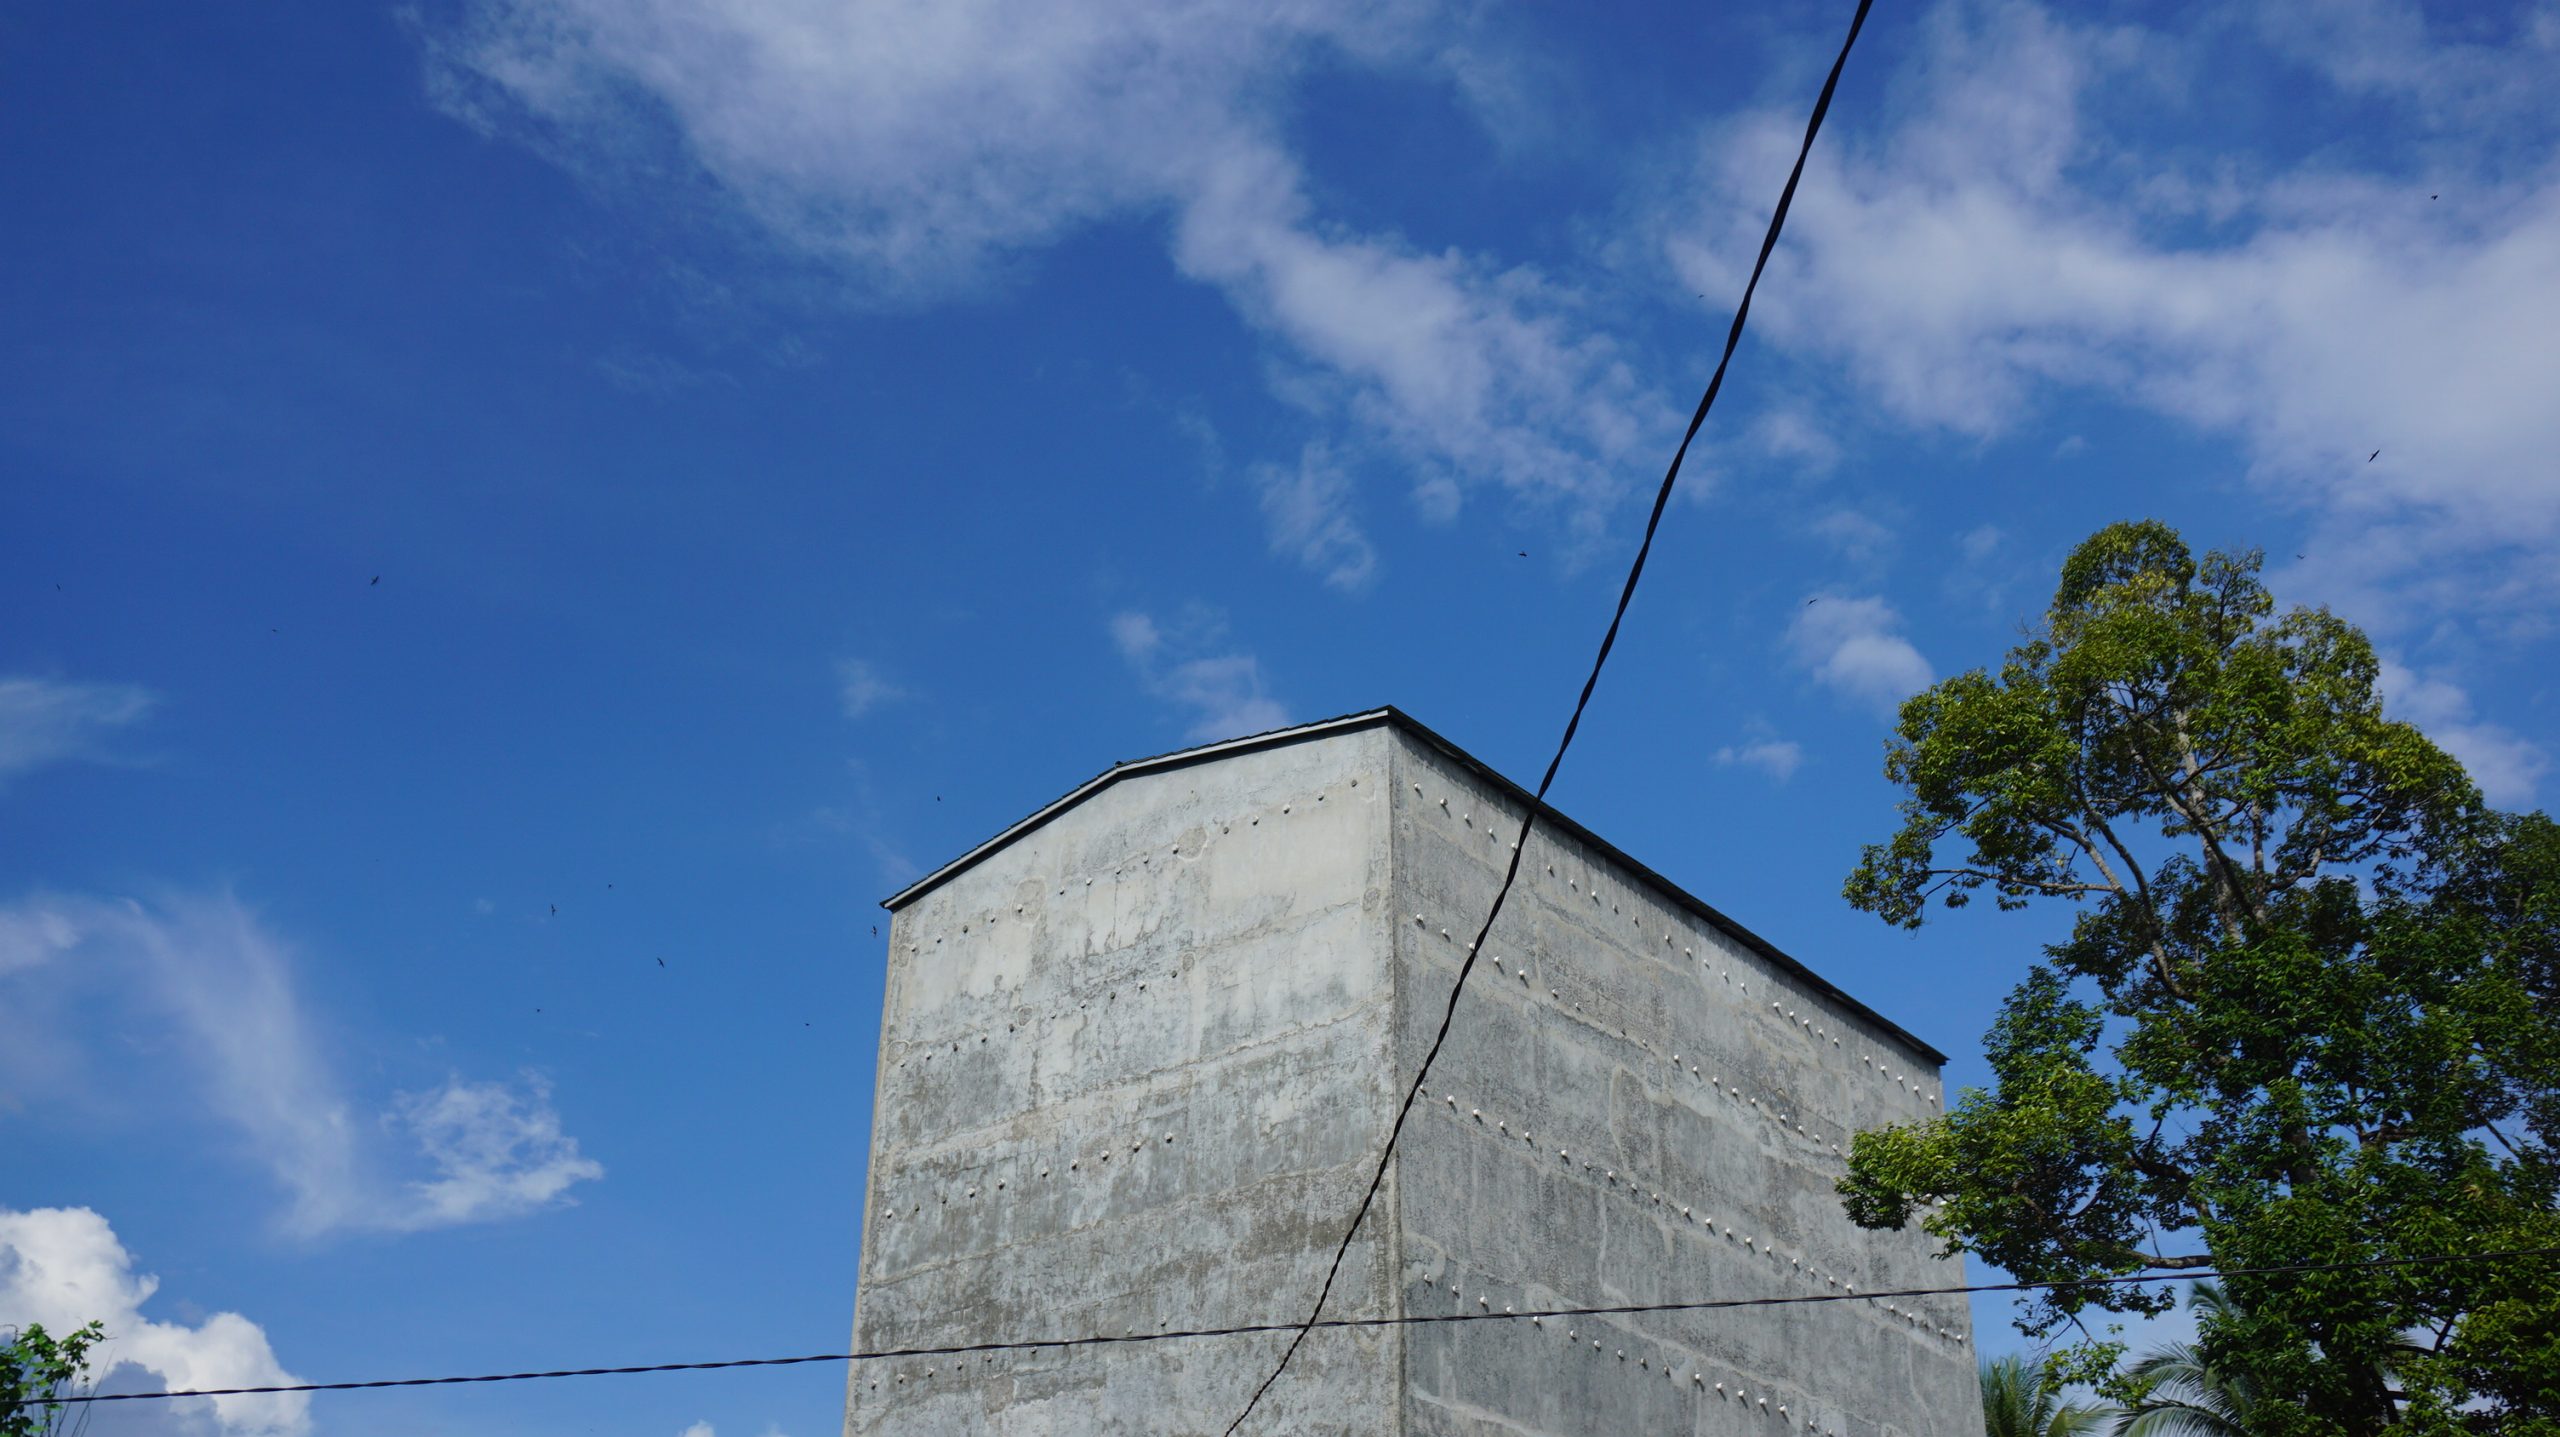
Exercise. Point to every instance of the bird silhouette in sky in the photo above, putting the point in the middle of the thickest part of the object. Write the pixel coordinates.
(1524, 553)
(555, 910)
(1816, 599)
(2373, 456)
(377, 578)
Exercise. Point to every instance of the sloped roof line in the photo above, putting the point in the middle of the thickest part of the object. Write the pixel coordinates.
(1548, 817)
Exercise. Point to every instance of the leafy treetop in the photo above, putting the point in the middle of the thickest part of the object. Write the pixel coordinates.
(36, 1370)
(2304, 1013)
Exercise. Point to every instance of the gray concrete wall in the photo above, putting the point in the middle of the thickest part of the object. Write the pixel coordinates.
(1635, 1107)
(1133, 1073)
(1137, 1060)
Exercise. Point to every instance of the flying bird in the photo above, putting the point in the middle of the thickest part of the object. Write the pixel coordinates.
(555, 910)
(2373, 456)
(1524, 553)
(377, 578)
(1816, 599)
(662, 962)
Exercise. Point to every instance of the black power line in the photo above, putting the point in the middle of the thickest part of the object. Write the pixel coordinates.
(1608, 640)
(964, 1349)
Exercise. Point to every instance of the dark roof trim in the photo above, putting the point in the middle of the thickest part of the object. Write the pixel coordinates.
(1397, 718)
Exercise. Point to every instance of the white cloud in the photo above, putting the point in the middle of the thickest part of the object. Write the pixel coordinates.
(861, 687)
(200, 978)
(45, 721)
(1222, 692)
(2505, 764)
(63, 1267)
(2387, 48)
(1308, 510)
(1978, 544)
(918, 144)
(497, 1151)
(1855, 646)
(1136, 637)
(698, 1429)
(1788, 434)
(1778, 758)
(1980, 255)
(1857, 537)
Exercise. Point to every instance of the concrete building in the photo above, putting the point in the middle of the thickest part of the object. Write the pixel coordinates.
(1139, 1052)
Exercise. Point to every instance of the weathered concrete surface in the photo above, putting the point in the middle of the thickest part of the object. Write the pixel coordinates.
(1633, 1107)
(1138, 1055)
(1134, 1070)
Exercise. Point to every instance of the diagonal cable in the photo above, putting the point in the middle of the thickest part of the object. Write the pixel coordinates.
(1609, 640)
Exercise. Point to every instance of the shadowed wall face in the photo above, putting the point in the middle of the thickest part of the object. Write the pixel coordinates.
(1138, 1059)
(1635, 1106)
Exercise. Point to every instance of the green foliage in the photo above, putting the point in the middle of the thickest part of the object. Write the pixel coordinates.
(2177, 1393)
(36, 1368)
(2305, 1012)
(2023, 1399)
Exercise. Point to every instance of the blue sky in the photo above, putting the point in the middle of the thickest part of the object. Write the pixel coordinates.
(792, 440)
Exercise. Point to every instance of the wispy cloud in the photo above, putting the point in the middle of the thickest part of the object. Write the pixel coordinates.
(1983, 254)
(866, 819)
(1308, 508)
(1858, 537)
(920, 146)
(2506, 765)
(216, 987)
(496, 1151)
(63, 1267)
(1855, 647)
(1776, 757)
(1191, 665)
(861, 687)
(47, 721)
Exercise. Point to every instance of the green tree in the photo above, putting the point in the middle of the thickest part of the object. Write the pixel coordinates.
(37, 1369)
(2021, 1399)
(2304, 1013)
(2179, 1394)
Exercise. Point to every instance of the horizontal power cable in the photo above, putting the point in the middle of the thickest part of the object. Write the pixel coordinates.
(963, 1349)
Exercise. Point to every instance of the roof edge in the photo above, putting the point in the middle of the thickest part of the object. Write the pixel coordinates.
(1392, 716)
(1159, 763)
